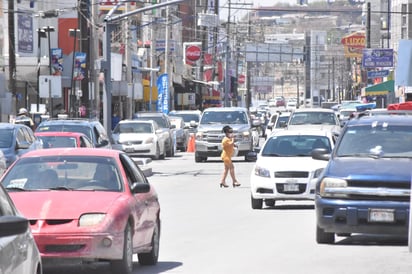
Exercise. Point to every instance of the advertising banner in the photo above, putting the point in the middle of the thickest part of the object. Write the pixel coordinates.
(57, 61)
(163, 93)
(79, 70)
(375, 58)
(25, 33)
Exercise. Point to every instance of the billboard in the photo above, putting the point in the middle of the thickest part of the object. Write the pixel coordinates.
(375, 58)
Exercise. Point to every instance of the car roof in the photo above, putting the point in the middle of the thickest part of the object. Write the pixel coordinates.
(103, 152)
(134, 121)
(185, 112)
(314, 110)
(225, 109)
(68, 121)
(295, 132)
(12, 126)
(400, 120)
(59, 133)
(149, 113)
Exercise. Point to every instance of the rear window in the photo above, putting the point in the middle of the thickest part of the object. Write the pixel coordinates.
(68, 128)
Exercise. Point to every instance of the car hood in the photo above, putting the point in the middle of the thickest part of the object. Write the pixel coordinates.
(218, 127)
(36, 205)
(305, 163)
(370, 168)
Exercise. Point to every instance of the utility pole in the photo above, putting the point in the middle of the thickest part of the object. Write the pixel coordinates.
(227, 62)
(12, 54)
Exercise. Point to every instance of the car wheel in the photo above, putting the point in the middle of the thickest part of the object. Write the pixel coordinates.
(157, 153)
(256, 203)
(170, 149)
(125, 265)
(270, 202)
(323, 237)
(151, 257)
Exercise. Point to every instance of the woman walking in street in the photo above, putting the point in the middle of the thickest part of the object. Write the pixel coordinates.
(228, 148)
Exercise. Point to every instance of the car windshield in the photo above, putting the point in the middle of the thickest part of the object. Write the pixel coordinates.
(133, 128)
(67, 128)
(64, 173)
(58, 141)
(294, 145)
(224, 117)
(317, 118)
(280, 120)
(376, 141)
(187, 117)
(159, 120)
(6, 138)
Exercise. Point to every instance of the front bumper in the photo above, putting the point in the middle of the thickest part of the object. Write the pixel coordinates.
(353, 216)
(282, 189)
(205, 149)
(137, 150)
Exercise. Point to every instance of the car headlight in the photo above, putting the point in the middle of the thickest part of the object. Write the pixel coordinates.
(262, 172)
(149, 140)
(91, 219)
(318, 172)
(333, 187)
(199, 136)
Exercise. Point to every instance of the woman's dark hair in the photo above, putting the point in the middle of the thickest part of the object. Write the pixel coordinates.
(227, 129)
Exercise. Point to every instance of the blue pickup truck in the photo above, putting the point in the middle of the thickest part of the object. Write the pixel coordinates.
(365, 187)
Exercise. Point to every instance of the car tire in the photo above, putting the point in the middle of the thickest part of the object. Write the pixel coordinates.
(125, 265)
(198, 158)
(270, 202)
(157, 153)
(170, 149)
(151, 257)
(323, 237)
(256, 203)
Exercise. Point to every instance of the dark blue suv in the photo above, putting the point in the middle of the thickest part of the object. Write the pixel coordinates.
(365, 188)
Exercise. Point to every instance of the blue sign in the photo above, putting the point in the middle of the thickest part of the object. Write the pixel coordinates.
(375, 58)
(163, 93)
(378, 73)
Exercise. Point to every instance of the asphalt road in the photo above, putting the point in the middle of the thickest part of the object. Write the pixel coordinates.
(211, 230)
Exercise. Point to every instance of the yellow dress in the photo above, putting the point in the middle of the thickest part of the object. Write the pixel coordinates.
(228, 148)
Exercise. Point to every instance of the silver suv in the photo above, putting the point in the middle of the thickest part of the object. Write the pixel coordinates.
(209, 132)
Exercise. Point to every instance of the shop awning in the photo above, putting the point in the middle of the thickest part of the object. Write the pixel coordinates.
(380, 89)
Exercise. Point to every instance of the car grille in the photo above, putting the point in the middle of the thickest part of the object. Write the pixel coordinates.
(291, 174)
(378, 190)
(63, 248)
(131, 142)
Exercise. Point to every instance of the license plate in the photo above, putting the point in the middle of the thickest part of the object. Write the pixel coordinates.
(290, 187)
(128, 149)
(212, 148)
(381, 215)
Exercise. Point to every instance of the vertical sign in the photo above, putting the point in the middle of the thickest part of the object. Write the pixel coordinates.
(25, 33)
(163, 93)
(57, 61)
(79, 66)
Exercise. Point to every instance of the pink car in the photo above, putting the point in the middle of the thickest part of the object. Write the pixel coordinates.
(87, 204)
(56, 139)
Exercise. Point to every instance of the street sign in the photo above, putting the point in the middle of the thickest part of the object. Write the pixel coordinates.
(378, 73)
(375, 58)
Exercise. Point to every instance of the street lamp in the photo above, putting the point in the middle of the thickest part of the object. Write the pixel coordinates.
(40, 34)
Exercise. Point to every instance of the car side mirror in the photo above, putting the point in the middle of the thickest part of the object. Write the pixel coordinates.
(13, 225)
(140, 187)
(320, 154)
(102, 143)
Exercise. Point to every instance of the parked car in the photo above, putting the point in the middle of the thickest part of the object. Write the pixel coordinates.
(18, 250)
(181, 132)
(190, 117)
(140, 138)
(285, 170)
(15, 140)
(52, 139)
(209, 135)
(93, 129)
(164, 123)
(87, 205)
(365, 187)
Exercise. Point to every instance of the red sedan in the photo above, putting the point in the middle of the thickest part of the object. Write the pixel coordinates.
(55, 139)
(87, 204)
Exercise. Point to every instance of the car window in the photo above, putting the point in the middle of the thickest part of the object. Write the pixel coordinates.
(6, 138)
(134, 174)
(159, 120)
(58, 141)
(21, 137)
(86, 130)
(5, 204)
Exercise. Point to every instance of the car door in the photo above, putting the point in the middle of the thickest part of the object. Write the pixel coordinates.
(144, 203)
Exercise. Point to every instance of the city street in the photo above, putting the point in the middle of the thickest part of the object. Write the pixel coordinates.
(207, 229)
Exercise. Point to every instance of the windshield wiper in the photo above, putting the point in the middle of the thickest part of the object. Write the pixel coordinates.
(270, 154)
(60, 188)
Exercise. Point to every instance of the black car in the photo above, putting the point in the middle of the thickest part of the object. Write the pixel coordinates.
(93, 129)
(164, 122)
(365, 188)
